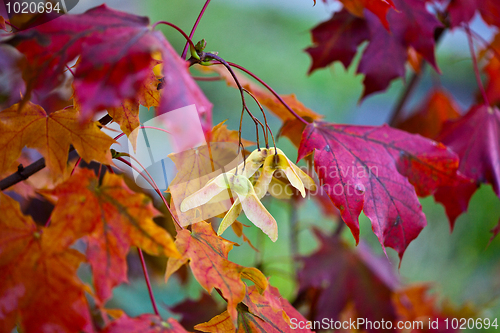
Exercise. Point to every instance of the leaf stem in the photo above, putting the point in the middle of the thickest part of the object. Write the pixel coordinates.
(270, 90)
(153, 184)
(206, 78)
(188, 39)
(70, 70)
(148, 283)
(184, 52)
(242, 93)
(476, 67)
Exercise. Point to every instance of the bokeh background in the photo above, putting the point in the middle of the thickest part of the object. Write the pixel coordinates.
(268, 37)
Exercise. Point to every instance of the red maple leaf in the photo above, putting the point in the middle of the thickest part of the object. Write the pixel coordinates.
(337, 40)
(386, 55)
(462, 11)
(379, 170)
(115, 56)
(387, 52)
(428, 119)
(146, 323)
(377, 7)
(476, 139)
(335, 276)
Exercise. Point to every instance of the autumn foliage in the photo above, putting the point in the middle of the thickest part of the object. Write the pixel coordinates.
(64, 82)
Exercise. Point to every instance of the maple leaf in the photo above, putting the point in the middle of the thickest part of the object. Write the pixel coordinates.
(490, 11)
(207, 255)
(379, 170)
(377, 7)
(462, 11)
(267, 312)
(116, 54)
(146, 323)
(113, 218)
(412, 26)
(127, 114)
(428, 119)
(2, 24)
(335, 276)
(35, 272)
(194, 312)
(51, 134)
(475, 138)
(11, 81)
(114, 47)
(386, 54)
(180, 89)
(414, 303)
(337, 40)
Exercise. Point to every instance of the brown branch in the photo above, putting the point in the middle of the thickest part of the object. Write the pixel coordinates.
(24, 173)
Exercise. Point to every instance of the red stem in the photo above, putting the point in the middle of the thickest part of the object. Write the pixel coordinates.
(476, 68)
(155, 187)
(271, 90)
(188, 39)
(146, 277)
(184, 52)
(76, 165)
(70, 70)
(206, 78)
(13, 26)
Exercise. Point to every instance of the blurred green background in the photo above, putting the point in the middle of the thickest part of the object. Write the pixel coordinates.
(268, 38)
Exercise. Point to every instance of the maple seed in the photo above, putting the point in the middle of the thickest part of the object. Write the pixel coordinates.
(249, 191)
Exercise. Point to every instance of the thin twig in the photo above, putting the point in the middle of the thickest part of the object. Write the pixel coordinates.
(148, 283)
(153, 184)
(476, 67)
(184, 52)
(406, 93)
(188, 39)
(242, 93)
(398, 109)
(206, 78)
(270, 90)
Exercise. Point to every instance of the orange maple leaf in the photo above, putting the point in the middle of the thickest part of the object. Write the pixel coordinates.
(51, 134)
(113, 218)
(34, 274)
(267, 312)
(207, 254)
